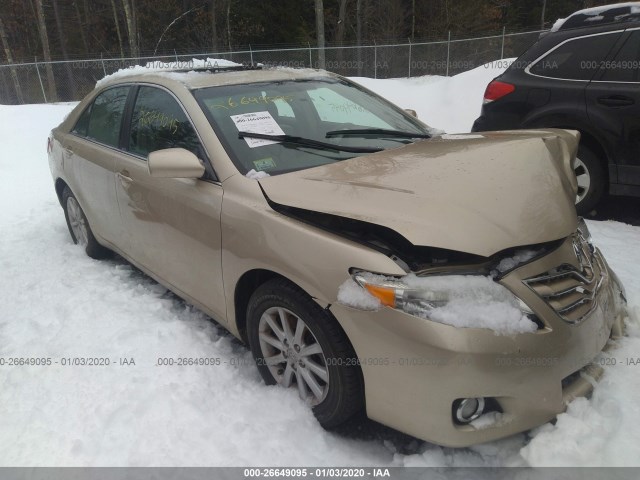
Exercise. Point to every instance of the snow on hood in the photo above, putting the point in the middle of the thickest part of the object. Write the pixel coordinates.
(168, 68)
(479, 195)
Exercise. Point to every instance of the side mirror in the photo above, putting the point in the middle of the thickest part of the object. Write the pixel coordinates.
(174, 163)
(411, 112)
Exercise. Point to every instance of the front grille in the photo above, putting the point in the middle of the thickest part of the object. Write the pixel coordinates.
(572, 292)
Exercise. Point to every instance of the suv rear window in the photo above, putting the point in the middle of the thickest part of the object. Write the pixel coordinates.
(577, 59)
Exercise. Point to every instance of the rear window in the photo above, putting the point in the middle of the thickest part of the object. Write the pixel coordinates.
(577, 59)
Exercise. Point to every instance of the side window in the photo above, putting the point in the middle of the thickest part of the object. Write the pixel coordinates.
(333, 107)
(83, 123)
(626, 65)
(158, 122)
(577, 59)
(106, 115)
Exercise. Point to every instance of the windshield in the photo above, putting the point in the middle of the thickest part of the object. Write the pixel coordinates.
(278, 127)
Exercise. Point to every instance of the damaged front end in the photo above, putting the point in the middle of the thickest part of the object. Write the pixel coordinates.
(498, 303)
(492, 353)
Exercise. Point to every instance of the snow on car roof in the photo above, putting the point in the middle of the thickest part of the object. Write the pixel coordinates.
(197, 73)
(596, 14)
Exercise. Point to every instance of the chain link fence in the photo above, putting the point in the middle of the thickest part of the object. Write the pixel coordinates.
(39, 82)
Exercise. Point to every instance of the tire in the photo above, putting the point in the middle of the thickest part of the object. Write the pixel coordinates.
(79, 228)
(277, 310)
(591, 180)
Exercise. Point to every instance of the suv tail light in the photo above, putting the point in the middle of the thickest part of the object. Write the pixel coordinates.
(49, 145)
(496, 90)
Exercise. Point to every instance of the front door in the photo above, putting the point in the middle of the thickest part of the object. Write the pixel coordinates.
(173, 224)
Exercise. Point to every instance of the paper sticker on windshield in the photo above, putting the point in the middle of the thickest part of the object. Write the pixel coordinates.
(264, 164)
(257, 122)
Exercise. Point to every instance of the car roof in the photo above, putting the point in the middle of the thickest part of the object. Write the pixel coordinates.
(602, 15)
(201, 77)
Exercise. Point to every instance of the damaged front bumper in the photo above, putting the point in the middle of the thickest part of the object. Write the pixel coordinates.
(415, 370)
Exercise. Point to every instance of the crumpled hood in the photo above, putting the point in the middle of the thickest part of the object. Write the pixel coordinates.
(474, 193)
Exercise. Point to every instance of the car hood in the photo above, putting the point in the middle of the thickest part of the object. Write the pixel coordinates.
(474, 193)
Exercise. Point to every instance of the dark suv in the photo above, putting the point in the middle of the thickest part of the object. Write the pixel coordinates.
(583, 75)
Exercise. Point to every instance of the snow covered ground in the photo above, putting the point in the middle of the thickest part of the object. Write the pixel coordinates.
(57, 303)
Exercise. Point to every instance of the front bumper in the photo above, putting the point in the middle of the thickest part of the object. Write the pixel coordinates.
(414, 369)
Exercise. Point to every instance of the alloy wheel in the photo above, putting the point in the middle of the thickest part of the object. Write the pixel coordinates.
(584, 179)
(293, 354)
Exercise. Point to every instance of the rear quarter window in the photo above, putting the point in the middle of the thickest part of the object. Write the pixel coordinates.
(105, 118)
(576, 59)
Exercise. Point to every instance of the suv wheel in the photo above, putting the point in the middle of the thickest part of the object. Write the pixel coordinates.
(297, 344)
(590, 177)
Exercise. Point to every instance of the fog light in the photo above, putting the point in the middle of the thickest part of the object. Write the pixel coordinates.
(468, 409)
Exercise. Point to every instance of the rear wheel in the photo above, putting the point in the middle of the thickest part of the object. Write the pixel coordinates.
(79, 228)
(591, 180)
(297, 344)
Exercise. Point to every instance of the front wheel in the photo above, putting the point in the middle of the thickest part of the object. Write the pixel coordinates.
(297, 344)
(591, 180)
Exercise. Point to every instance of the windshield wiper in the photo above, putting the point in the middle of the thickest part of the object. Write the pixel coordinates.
(308, 142)
(376, 131)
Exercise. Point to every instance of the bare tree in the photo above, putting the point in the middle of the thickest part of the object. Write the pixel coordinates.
(544, 7)
(413, 19)
(71, 84)
(44, 39)
(118, 32)
(214, 27)
(132, 31)
(342, 17)
(229, 24)
(359, 34)
(7, 52)
(81, 27)
(340, 31)
(320, 32)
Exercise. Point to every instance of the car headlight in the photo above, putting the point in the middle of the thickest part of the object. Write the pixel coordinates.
(464, 301)
(395, 293)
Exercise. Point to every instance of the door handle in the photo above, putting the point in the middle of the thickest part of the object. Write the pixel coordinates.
(68, 151)
(616, 101)
(124, 178)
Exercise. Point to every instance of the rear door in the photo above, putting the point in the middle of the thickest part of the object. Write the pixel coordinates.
(172, 224)
(91, 152)
(613, 103)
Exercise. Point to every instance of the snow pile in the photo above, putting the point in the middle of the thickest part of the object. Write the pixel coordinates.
(463, 301)
(518, 258)
(353, 295)
(595, 13)
(558, 24)
(490, 420)
(449, 104)
(474, 302)
(167, 68)
(254, 175)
